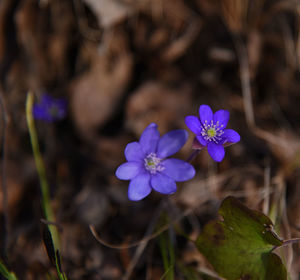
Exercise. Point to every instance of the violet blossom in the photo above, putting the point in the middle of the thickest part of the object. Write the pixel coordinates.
(211, 132)
(148, 166)
(50, 109)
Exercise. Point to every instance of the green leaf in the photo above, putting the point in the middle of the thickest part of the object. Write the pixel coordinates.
(240, 246)
(54, 257)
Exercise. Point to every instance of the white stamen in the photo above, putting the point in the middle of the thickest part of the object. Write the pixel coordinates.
(153, 163)
(212, 132)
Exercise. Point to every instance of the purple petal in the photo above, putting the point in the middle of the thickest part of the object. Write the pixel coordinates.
(46, 99)
(129, 170)
(61, 106)
(149, 139)
(139, 187)
(221, 116)
(231, 136)
(178, 170)
(40, 114)
(61, 102)
(171, 143)
(217, 152)
(163, 183)
(201, 140)
(193, 123)
(134, 152)
(205, 113)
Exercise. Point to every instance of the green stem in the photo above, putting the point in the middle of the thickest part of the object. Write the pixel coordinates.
(49, 215)
(6, 273)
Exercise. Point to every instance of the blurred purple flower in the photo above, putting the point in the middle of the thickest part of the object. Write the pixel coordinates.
(210, 130)
(149, 168)
(50, 109)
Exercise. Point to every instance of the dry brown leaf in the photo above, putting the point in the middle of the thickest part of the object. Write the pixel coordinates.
(154, 102)
(96, 94)
(109, 12)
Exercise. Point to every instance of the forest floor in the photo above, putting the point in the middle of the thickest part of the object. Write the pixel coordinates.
(122, 64)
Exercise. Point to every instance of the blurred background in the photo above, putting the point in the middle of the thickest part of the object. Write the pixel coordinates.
(122, 64)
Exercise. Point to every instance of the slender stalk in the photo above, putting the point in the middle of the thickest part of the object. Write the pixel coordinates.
(193, 155)
(49, 215)
(290, 241)
(287, 242)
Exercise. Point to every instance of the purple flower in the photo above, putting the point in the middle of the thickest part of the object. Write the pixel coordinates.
(210, 130)
(149, 168)
(50, 109)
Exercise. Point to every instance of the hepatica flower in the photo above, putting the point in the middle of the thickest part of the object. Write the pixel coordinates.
(148, 166)
(50, 109)
(211, 132)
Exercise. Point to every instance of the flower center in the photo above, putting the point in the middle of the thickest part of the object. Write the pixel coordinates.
(153, 163)
(212, 131)
(53, 111)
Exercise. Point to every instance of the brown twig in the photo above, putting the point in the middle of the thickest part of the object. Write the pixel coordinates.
(267, 178)
(142, 245)
(145, 239)
(245, 80)
(3, 175)
(88, 32)
(46, 222)
(285, 222)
